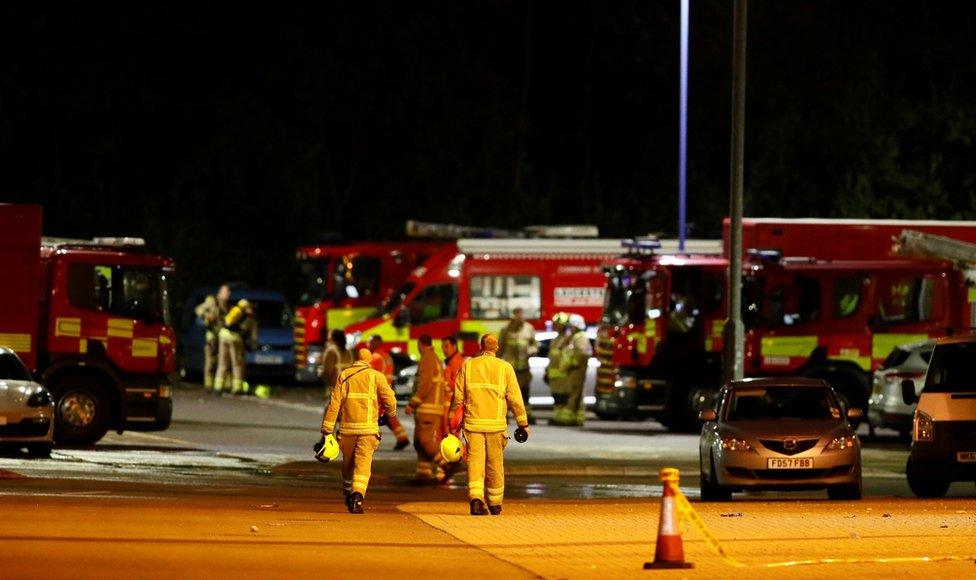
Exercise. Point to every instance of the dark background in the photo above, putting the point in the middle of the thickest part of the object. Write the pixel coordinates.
(229, 135)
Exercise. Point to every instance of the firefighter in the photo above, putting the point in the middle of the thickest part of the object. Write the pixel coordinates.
(452, 366)
(487, 389)
(576, 357)
(516, 344)
(240, 331)
(356, 396)
(335, 359)
(212, 311)
(555, 373)
(427, 404)
(383, 362)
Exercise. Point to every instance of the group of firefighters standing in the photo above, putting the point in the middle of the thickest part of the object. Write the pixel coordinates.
(231, 329)
(454, 397)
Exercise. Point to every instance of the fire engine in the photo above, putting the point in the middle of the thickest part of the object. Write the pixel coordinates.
(345, 284)
(90, 318)
(471, 290)
(834, 314)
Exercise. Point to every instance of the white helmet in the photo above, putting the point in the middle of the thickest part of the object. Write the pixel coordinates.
(576, 321)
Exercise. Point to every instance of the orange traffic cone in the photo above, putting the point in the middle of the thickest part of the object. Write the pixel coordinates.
(669, 552)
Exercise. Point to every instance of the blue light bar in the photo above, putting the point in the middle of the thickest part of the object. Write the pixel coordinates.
(765, 255)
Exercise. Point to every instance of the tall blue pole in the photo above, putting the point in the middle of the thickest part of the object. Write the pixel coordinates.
(683, 131)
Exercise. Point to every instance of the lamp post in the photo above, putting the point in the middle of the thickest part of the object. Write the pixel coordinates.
(683, 130)
(733, 334)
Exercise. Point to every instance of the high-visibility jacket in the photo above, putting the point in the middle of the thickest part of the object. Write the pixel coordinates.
(576, 354)
(383, 362)
(517, 343)
(212, 311)
(356, 394)
(429, 396)
(556, 368)
(487, 387)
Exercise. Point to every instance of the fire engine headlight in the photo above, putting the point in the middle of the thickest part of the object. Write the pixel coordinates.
(735, 444)
(842, 443)
(924, 427)
(625, 382)
(40, 399)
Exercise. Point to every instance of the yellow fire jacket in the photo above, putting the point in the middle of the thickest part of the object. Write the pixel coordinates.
(487, 387)
(357, 394)
(429, 396)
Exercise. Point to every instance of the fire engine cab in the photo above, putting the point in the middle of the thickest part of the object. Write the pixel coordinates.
(834, 315)
(90, 318)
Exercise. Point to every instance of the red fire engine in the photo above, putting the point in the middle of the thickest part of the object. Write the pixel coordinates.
(473, 289)
(91, 321)
(834, 313)
(345, 284)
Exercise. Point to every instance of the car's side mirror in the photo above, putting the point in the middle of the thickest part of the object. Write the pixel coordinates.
(707, 415)
(908, 392)
(855, 413)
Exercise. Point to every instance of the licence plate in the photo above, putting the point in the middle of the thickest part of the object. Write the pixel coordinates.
(966, 457)
(789, 463)
(268, 359)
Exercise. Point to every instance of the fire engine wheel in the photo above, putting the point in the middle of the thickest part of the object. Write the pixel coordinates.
(83, 409)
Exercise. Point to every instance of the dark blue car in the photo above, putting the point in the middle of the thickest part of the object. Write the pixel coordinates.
(274, 359)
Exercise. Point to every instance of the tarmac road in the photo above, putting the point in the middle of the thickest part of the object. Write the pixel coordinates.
(231, 491)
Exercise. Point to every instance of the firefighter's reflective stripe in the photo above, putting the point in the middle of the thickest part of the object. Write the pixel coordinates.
(788, 346)
(120, 327)
(883, 343)
(340, 318)
(144, 348)
(16, 342)
(67, 327)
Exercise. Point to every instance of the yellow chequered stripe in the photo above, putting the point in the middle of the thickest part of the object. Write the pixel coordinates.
(16, 342)
(70, 327)
(883, 343)
(788, 346)
(120, 327)
(144, 348)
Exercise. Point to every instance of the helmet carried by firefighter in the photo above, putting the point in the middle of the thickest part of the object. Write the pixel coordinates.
(326, 449)
(560, 318)
(451, 448)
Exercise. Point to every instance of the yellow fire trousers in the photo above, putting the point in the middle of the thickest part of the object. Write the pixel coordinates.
(486, 466)
(230, 362)
(357, 461)
(427, 442)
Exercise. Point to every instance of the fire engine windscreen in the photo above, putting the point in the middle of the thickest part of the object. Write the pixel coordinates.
(394, 301)
(130, 291)
(314, 271)
(632, 298)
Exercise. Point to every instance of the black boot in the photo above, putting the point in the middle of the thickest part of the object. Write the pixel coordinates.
(494, 509)
(346, 496)
(478, 508)
(356, 503)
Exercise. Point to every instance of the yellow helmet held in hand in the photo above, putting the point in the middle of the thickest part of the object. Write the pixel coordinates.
(327, 448)
(451, 448)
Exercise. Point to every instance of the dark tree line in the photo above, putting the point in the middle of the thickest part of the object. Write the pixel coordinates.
(228, 135)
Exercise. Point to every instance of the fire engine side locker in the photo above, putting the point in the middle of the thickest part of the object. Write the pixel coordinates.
(20, 242)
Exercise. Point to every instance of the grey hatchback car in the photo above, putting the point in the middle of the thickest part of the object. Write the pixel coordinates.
(779, 434)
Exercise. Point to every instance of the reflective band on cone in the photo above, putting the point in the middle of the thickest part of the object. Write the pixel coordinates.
(669, 552)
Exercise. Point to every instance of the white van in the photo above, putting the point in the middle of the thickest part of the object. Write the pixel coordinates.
(944, 427)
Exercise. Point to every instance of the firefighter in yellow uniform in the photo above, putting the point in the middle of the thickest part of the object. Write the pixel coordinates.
(212, 311)
(240, 327)
(515, 345)
(427, 404)
(356, 396)
(555, 373)
(576, 358)
(487, 388)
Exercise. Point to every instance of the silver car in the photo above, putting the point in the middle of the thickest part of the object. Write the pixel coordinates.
(886, 407)
(779, 434)
(26, 408)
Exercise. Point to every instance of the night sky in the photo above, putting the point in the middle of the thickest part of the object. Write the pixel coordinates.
(229, 135)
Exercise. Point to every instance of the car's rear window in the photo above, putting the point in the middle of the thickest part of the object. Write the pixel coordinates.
(952, 369)
(12, 369)
(760, 403)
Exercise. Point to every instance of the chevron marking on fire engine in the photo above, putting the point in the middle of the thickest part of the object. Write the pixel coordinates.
(70, 327)
(16, 342)
(120, 327)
